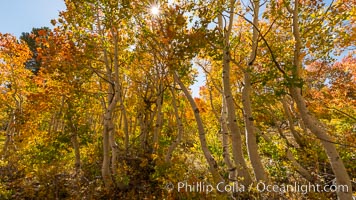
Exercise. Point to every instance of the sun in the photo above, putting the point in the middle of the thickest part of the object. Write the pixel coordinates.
(155, 10)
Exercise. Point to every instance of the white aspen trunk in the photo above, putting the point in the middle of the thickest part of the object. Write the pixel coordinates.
(70, 126)
(338, 167)
(213, 167)
(252, 147)
(9, 130)
(75, 143)
(180, 129)
(105, 169)
(108, 108)
(294, 163)
(158, 124)
(108, 133)
(143, 130)
(114, 148)
(299, 168)
(113, 96)
(314, 125)
(225, 144)
(280, 132)
(116, 97)
(109, 141)
(243, 174)
(109, 129)
(242, 170)
(126, 128)
(126, 124)
(295, 134)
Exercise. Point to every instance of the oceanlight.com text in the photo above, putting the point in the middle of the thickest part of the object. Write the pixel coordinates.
(205, 187)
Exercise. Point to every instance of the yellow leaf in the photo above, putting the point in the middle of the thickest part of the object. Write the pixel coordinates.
(144, 163)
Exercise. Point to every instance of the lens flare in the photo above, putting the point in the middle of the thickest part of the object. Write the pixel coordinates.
(155, 10)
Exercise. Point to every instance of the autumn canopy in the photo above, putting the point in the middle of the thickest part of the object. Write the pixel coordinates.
(101, 105)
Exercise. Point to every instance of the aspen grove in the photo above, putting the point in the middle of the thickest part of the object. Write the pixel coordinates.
(101, 105)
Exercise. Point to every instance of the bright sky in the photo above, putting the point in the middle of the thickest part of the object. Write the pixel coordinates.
(17, 16)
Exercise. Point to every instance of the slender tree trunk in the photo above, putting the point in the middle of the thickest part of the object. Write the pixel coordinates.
(294, 163)
(242, 170)
(116, 97)
(342, 178)
(295, 134)
(114, 149)
(105, 170)
(143, 130)
(225, 144)
(213, 167)
(159, 117)
(338, 167)
(280, 132)
(235, 130)
(109, 141)
(9, 134)
(179, 127)
(70, 127)
(109, 129)
(252, 147)
(75, 143)
(108, 105)
(113, 96)
(126, 126)
(298, 167)
(126, 131)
